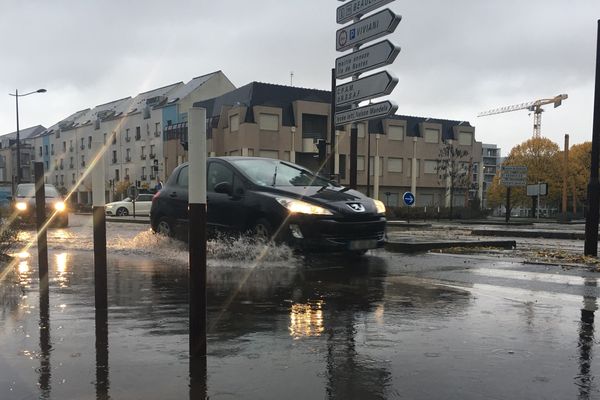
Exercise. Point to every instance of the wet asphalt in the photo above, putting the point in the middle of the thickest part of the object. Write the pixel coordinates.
(284, 326)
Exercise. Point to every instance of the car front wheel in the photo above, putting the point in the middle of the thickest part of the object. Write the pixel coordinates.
(164, 227)
(263, 229)
(122, 212)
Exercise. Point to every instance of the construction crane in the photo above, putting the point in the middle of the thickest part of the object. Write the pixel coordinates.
(532, 106)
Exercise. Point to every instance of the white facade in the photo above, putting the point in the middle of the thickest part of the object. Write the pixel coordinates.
(131, 129)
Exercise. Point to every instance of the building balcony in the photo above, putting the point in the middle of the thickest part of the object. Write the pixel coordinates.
(127, 159)
(152, 156)
(114, 160)
(70, 149)
(143, 156)
(157, 134)
(143, 177)
(152, 177)
(61, 167)
(71, 166)
(82, 147)
(83, 164)
(138, 137)
(127, 139)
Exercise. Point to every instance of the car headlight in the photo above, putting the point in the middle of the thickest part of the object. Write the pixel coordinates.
(59, 206)
(302, 207)
(379, 206)
(21, 206)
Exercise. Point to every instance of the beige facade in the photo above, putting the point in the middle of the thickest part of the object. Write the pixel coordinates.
(407, 148)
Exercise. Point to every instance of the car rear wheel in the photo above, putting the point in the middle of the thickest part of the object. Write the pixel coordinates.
(165, 227)
(122, 212)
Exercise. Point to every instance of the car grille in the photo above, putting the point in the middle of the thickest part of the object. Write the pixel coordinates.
(342, 231)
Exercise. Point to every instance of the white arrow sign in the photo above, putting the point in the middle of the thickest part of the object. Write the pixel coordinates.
(377, 110)
(358, 8)
(367, 29)
(376, 85)
(367, 59)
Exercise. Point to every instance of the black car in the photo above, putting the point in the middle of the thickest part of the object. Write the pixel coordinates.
(275, 199)
(24, 204)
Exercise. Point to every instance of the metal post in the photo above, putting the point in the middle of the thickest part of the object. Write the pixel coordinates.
(332, 126)
(18, 139)
(368, 136)
(565, 178)
(353, 155)
(507, 218)
(376, 169)
(99, 227)
(591, 222)
(197, 231)
(538, 201)
(40, 211)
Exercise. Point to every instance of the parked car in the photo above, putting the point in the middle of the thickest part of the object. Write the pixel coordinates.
(24, 204)
(125, 207)
(277, 199)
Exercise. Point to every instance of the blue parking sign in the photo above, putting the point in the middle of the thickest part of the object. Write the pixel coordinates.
(409, 198)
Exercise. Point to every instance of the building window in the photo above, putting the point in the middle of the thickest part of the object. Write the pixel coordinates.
(362, 130)
(432, 136)
(138, 133)
(430, 167)
(64, 147)
(114, 157)
(269, 154)
(46, 149)
(395, 132)
(360, 163)
(117, 175)
(268, 122)
(342, 166)
(465, 138)
(234, 123)
(89, 142)
(394, 164)
(52, 148)
(314, 126)
(41, 150)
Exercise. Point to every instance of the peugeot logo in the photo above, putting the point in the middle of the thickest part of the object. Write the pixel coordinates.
(356, 207)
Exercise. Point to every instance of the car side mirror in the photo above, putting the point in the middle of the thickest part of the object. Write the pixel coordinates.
(224, 187)
(9, 198)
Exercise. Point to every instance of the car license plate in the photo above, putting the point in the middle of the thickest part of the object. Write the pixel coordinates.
(362, 244)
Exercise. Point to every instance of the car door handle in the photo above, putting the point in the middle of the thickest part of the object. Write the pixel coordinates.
(174, 194)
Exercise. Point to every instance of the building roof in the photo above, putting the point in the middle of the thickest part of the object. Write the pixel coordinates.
(184, 90)
(26, 133)
(264, 94)
(279, 96)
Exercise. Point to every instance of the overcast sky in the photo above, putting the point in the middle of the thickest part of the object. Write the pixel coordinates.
(458, 57)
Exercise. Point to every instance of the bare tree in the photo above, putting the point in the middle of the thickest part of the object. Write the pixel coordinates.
(453, 169)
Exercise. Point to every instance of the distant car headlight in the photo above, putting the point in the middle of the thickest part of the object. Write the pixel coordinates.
(302, 207)
(379, 206)
(21, 206)
(59, 206)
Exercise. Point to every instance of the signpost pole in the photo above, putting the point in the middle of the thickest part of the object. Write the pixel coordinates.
(99, 222)
(42, 238)
(333, 158)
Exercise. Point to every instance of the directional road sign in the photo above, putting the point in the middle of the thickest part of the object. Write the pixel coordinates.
(366, 59)
(513, 175)
(376, 110)
(367, 29)
(369, 87)
(358, 8)
(409, 198)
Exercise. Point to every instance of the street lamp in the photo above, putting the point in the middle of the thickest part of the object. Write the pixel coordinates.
(16, 95)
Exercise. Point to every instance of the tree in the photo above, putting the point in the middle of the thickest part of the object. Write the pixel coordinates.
(453, 169)
(121, 188)
(542, 157)
(580, 164)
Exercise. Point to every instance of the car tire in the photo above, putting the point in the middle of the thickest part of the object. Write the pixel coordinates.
(63, 222)
(165, 227)
(262, 229)
(122, 212)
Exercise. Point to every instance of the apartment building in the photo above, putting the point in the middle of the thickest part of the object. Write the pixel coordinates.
(284, 122)
(491, 160)
(131, 129)
(8, 154)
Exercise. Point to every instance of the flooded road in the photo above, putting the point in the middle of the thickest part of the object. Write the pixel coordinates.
(282, 326)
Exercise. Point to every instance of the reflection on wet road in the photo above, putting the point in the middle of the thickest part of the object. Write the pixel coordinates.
(380, 327)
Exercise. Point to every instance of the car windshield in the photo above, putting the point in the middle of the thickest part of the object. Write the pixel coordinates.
(276, 173)
(28, 190)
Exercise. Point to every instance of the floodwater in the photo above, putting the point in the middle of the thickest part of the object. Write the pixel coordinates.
(281, 326)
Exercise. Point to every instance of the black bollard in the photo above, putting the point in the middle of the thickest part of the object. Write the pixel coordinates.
(40, 223)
